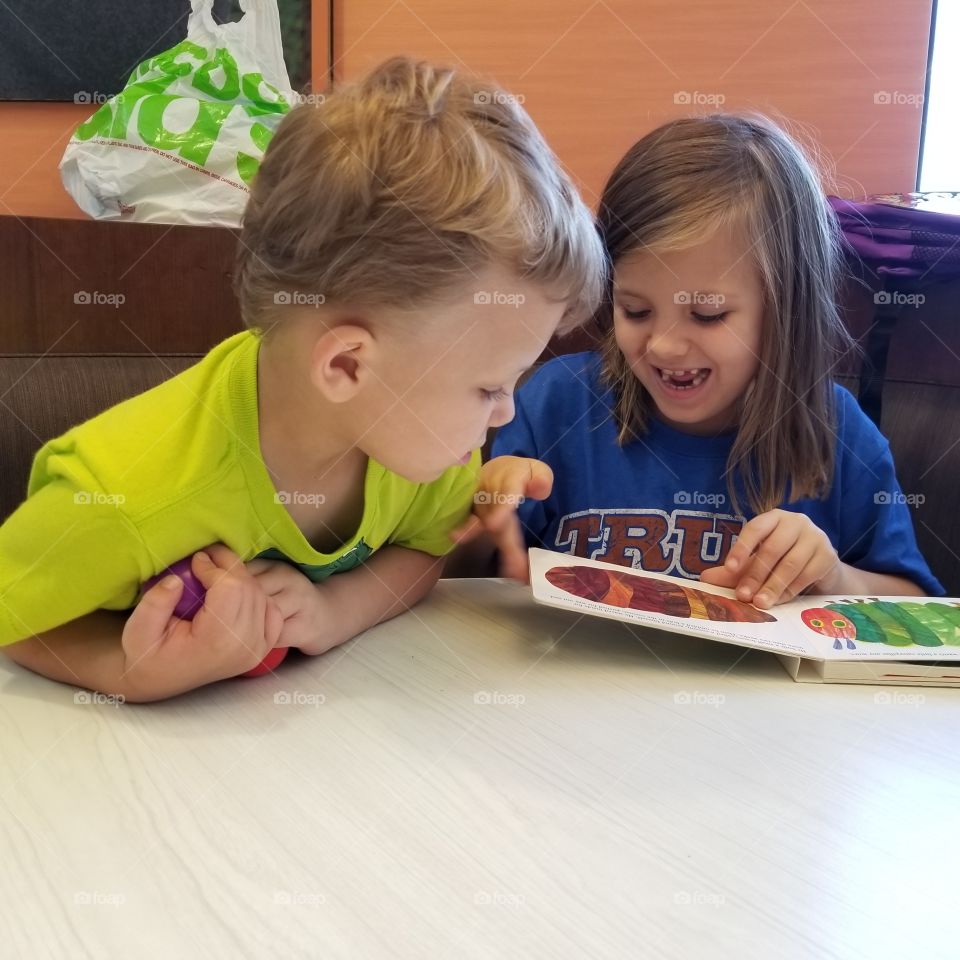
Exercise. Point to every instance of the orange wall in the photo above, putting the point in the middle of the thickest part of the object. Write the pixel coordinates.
(34, 136)
(595, 76)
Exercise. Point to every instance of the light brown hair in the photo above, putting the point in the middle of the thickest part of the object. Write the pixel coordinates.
(399, 188)
(672, 190)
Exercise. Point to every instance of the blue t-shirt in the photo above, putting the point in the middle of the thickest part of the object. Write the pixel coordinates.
(660, 503)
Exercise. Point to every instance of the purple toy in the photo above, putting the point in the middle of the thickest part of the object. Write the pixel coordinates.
(190, 602)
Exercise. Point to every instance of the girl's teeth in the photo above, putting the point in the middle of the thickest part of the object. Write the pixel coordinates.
(694, 377)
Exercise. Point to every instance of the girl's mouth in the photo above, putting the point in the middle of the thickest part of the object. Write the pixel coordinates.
(682, 381)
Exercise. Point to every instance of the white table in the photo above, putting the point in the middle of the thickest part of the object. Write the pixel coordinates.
(484, 778)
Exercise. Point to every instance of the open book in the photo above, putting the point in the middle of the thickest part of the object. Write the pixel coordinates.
(833, 639)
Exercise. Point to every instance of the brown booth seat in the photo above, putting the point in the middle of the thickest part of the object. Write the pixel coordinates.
(41, 397)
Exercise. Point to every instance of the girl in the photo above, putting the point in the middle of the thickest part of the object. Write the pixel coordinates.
(705, 438)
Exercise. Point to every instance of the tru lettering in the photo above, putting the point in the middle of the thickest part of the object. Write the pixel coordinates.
(684, 542)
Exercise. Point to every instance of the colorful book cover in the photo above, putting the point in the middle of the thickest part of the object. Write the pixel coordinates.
(892, 639)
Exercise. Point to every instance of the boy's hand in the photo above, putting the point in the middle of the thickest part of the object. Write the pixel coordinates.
(235, 629)
(309, 622)
(504, 483)
(778, 555)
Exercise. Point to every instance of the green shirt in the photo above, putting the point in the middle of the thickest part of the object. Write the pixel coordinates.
(119, 498)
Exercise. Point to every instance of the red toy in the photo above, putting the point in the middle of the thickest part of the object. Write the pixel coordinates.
(190, 602)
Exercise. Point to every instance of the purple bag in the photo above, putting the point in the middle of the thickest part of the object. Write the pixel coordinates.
(895, 240)
(906, 244)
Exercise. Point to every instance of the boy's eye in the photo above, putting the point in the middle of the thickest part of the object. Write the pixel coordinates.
(709, 317)
(495, 395)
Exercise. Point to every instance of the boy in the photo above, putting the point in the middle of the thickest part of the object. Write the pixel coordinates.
(409, 247)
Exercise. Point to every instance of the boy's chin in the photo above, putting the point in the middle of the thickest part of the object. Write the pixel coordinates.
(418, 473)
(420, 470)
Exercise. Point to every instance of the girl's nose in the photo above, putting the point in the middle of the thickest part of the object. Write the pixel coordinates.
(667, 341)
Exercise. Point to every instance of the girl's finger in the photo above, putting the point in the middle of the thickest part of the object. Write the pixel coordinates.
(719, 577)
(766, 559)
(753, 533)
(784, 575)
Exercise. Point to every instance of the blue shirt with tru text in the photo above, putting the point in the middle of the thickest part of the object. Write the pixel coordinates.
(660, 503)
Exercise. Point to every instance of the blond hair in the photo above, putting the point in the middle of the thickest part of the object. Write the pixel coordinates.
(673, 189)
(402, 187)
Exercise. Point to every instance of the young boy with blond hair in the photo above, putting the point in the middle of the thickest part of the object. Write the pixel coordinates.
(409, 247)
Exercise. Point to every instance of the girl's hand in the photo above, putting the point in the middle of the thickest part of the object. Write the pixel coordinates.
(504, 483)
(309, 623)
(233, 631)
(777, 555)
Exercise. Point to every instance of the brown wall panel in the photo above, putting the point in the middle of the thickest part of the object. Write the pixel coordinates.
(174, 281)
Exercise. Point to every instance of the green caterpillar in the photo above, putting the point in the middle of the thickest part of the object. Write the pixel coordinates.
(900, 623)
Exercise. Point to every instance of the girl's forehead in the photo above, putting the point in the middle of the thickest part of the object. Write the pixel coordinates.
(719, 262)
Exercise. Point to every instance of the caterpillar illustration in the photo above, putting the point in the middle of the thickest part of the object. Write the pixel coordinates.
(900, 623)
(653, 596)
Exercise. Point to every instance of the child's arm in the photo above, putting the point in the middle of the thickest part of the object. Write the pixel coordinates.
(504, 483)
(151, 655)
(84, 653)
(847, 579)
(319, 616)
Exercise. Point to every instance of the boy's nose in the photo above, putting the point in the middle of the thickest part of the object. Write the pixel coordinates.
(503, 412)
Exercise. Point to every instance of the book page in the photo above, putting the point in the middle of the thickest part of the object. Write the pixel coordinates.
(823, 628)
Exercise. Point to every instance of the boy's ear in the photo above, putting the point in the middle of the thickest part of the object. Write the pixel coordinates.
(340, 365)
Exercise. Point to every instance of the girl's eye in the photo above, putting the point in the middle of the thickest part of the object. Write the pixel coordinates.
(635, 314)
(709, 317)
(495, 395)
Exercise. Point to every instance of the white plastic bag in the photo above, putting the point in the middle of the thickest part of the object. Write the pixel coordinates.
(182, 141)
